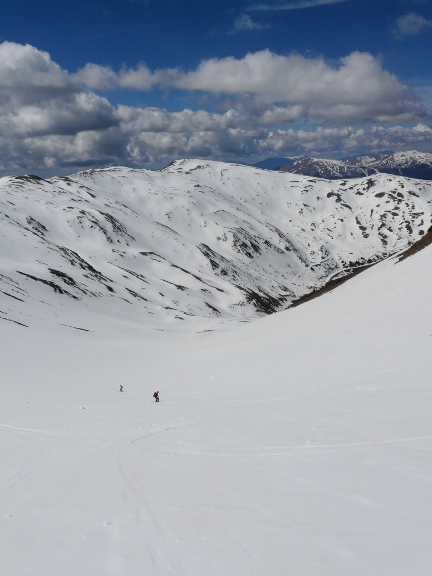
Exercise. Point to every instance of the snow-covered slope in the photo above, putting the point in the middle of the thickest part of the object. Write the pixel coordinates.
(196, 240)
(410, 164)
(297, 444)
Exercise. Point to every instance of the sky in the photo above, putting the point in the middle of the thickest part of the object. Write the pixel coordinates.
(143, 82)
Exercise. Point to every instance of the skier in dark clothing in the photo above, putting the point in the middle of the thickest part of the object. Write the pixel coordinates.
(156, 396)
(121, 388)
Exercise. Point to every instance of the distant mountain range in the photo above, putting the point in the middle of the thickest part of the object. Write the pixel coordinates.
(409, 164)
(276, 162)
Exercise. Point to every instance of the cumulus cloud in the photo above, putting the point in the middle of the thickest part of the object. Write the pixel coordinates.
(292, 78)
(29, 76)
(37, 97)
(411, 25)
(69, 115)
(348, 141)
(355, 89)
(99, 77)
(53, 120)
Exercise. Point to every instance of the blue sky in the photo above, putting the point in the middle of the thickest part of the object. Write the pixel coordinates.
(142, 82)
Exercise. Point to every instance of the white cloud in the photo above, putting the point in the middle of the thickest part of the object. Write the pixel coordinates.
(354, 89)
(411, 25)
(68, 115)
(29, 76)
(97, 77)
(38, 97)
(157, 120)
(347, 141)
(139, 79)
(357, 86)
(53, 120)
(244, 23)
(104, 78)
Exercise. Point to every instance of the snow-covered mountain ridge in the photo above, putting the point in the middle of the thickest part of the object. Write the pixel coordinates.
(411, 164)
(197, 239)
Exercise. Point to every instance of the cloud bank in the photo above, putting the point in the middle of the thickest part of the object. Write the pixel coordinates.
(51, 119)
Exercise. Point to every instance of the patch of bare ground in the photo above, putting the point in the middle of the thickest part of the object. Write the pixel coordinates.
(329, 286)
(417, 246)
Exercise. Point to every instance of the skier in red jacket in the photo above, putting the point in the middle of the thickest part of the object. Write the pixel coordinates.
(156, 396)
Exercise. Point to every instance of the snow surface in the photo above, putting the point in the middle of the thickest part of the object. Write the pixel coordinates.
(297, 444)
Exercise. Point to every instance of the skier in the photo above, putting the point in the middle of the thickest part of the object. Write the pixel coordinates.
(121, 388)
(156, 396)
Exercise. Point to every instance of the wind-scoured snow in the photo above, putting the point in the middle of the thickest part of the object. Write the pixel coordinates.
(197, 240)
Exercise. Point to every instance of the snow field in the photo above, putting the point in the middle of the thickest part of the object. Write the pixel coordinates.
(296, 444)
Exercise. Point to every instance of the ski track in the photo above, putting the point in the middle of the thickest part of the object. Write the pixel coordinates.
(24, 431)
(306, 449)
